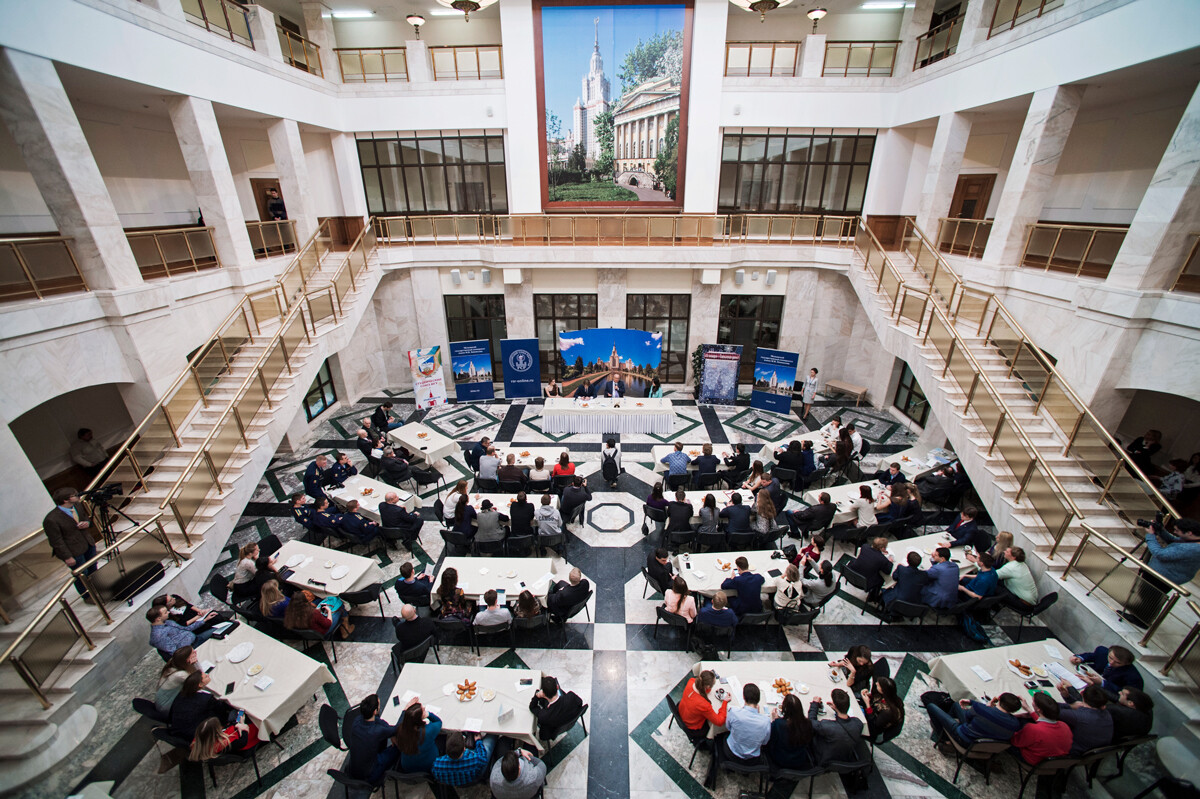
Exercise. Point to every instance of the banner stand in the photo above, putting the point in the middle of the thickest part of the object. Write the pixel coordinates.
(471, 370)
(719, 378)
(774, 375)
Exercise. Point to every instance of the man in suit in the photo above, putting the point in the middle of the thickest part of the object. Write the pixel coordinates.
(392, 469)
(476, 452)
(748, 586)
(301, 512)
(412, 629)
(815, 517)
(552, 707)
(383, 420)
(735, 465)
(966, 532)
(412, 586)
(873, 563)
(369, 740)
(658, 566)
(942, 591)
(910, 581)
(67, 532)
(574, 500)
(314, 477)
(357, 527)
(707, 463)
(837, 739)
(614, 389)
(367, 447)
(341, 470)
(737, 514)
(395, 516)
(891, 475)
(565, 595)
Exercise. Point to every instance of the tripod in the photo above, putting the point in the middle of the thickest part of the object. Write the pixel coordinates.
(100, 514)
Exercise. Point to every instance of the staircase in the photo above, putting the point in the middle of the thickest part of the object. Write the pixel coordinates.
(320, 320)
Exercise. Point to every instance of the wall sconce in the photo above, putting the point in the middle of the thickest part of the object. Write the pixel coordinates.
(470, 274)
(816, 15)
(739, 276)
(771, 277)
(416, 20)
(456, 277)
(486, 276)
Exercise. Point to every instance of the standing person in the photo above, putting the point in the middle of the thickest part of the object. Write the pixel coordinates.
(275, 207)
(574, 501)
(610, 462)
(87, 453)
(69, 536)
(1143, 448)
(314, 477)
(368, 738)
(809, 393)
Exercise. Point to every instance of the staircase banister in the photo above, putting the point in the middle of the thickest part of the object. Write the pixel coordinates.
(1092, 532)
(942, 262)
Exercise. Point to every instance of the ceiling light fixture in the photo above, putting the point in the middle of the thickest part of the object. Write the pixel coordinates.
(367, 14)
(816, 15)
(761, 6)
(416, 20)
(885, 5)
(466, 6)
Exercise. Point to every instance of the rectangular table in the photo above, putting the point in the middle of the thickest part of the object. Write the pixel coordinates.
(525, 456)
(915, 462)
(924, 545)
(297, 677)
(721, 495)
(475, 583)
(955, 674)
(811, 674)
(368, 504)
(425, 442)
(820, 444)
(362, 571)
(600, 415)
(501, 501)
(705, 578)
(693, 451)
(429, 682)
(842, 495)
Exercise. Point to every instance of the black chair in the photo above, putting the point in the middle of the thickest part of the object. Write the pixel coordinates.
(674, 620)
(427, 477)
(854, 536)
(847, 767)
(697, 738)
(674, 482)
(394, 535)
(785, 476)
(511, 486)
(679, 538)
(707, 480)
(147, 708)
(372, 593)
(725, 761)
(742, 541)
(538, 486)
(538, 622)
(557, 542)
(793, 775)
(312, 636)
(714, 636)
(414, 778)
(562, 481)
(519, 546)
(905, 610)
(327, 718)
(651, 586)
(348, 783)
(235, 756)
(858, 581)
(956, 610)
(490, 547)
(983, 750)
(656, 515)
(714, 541)
(883, 736)
(414, 654)
(789, 617)
(457, 542)
(986, 608)
(1050, 767)
(548, 734)
(816, 476)
(495, 629)
(218, 586)
(575, 610)
(754, 620)
(1030, 613)
(269, 546)
(1123, 749)
(487, 485)
(449, 628)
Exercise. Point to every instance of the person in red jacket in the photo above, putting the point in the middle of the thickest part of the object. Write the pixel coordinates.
(1045, 736)
(695, 708)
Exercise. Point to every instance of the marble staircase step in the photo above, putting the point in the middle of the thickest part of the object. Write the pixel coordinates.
(20, 740)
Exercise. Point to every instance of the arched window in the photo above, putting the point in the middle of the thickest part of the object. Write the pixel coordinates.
(652, 148)
(642, 150)
(661, 143)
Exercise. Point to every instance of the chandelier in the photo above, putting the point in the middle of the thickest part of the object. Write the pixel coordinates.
(761, 6)
(466, 6)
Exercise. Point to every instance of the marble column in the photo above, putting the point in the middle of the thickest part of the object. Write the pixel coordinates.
(416, 58)
(915, 23)
(945, 162)
(203, 150)
(812, 56)
(1160, 235)
(523, 159)
(349, 174)
(706, 311)
(1044, 135)
(288, 154)
(977, 22)
(430, 316)
(264, 32)
(318, 29)
(20, 480)
(39, 116)
(518, 304)
(610, 297)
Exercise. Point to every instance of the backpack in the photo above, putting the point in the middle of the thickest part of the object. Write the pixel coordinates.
(974, 630)
(608, 465)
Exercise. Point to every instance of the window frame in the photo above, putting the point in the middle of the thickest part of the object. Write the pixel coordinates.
(913, 394)
(469, 324)
(323, 380)
(763, 323)
(557, 323)
(413, 163)
(638, 321)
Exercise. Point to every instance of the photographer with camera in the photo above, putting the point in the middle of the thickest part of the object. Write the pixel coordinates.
(67, 531)
(1175, 554)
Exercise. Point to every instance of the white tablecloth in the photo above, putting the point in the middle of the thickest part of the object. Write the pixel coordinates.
(296, 677)
(705, 577)
(924, 545)
(842, 495)
(722, 496)
(525, 456)
(915, 462)
(429, 682)
(627, 415)
(821, 445)
(693, 451)
(425, 442)
(811, 674)
(368, 504)
(362, 571)
(955, 673)
(474, 582)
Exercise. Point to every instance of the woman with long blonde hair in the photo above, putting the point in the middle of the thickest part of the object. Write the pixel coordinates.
(272, 603)
(765, 512)
(212, 739)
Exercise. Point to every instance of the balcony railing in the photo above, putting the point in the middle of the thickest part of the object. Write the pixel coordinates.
(175, 251)
(1187, 654)
(276, 237)
(300, 52)
(371, 64)
(762, 59)
(221, 17)
(1188, 278)
(938, 43)
(629, 230)
(859, 59)
(967, 237)
(467, 63)
(1011, 13)
(1080, 250)
(38, 267)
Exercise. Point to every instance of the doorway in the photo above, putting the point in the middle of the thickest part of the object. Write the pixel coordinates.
(260, 187)
(971, 196)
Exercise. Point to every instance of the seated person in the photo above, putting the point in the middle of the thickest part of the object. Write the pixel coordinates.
(966, 533)
(194, 704)
(910, 581)
(452, 602)
(1111, 668)
(393, 469)
(814, 517)
(890, 476)
(214, 737)
(416, 737)
(749, 730)
(272, 603)
(475, 452)
(553, 707)
(244, 576)
(817, 588)
(412, 629)
(549, 521)
(791, 457)
(395, 516)
(368, 738)
(539, 473)
(676, 460)
(489, 523)
(553, 390)
(357, 527)
(1015, 577)
(489, 465)
(857, 666)
(883, 706)
(737, 514)
(973, 720)
(574, 500)
(678, 600)
(183, 663)
(325, 520)
(942, 590)
(466, 759)
(301, 512)
(412, 585)
(464, 518)
(183, 612)
(658, 566)
(748, 586)
(493, 613)
(864, 506)
(510, 472)
(789, 591)
(1091, 725)
(520, 515)
(1132, 714)
(812, 550)
(717, 612)
(167, 635)
(679, 514)
(984, 582)
(564, 467)
(656, 390)
(341, 471)
(695, 708)
(706, 463)
(528, 606)
(735, 465)
(1046, 736)
(873, 564)
(565, 595)
(839, 738)
(301, 614)
(790, 746)
(517, 775)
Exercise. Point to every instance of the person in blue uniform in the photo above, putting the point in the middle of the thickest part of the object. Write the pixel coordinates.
(340, 471)
(356, 526)
(314, 477)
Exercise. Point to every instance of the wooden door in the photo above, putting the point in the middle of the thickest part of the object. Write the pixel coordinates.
(971, 196)
(260, 186)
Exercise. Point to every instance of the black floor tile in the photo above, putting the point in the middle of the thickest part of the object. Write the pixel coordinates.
(512, 420)
(608, 749)
(712, 425)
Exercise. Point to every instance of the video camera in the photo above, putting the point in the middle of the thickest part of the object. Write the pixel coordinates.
(102, 495)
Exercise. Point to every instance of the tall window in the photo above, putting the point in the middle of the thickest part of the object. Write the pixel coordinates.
(321, 395)
(666, 314)
(794, 171)
(554, 313)
(910, 399)
(434, 172)
(752, 322)
(475, 317)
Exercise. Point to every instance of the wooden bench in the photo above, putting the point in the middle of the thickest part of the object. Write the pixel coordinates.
(849, 389)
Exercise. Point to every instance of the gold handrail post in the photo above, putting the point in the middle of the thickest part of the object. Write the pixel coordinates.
(27, 676)
(86, 581)
(1168, 606)
(76, 623)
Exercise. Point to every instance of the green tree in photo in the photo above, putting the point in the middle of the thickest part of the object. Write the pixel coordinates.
(666, 164)
(604, 136)
(577, 160)
(659, 57)
(554, 146)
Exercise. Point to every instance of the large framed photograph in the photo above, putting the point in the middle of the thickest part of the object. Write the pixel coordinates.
(612, 88)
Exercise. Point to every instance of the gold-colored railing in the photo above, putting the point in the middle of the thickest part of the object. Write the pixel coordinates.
(1008, 14)
(1188, 278)
(938, 43)
(275, 237)
(300, 52)
(173, 251)
(467, 62)
(859, 59)
(38, 267)
(762, 59)
(1187, 654)
(229, 434)
(222, 17)
(1080, 250)
(967, 237)
(368, 64)
(44, 646)
(1121, 576)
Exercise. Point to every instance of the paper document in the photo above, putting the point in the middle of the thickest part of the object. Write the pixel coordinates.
(434, 710)
(1063, 673)
(408, 697)
(981, 673)
(1053, 651)
(472, 725)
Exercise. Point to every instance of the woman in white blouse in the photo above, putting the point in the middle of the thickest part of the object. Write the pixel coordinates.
(678, 600)
(864, 504)
(788, 588)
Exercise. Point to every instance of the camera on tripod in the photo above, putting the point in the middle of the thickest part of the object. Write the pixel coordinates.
(1156, 525)
(102, 495)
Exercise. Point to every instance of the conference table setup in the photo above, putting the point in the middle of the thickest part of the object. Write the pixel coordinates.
(925, 545)
(492, 701)
(1020, 669)
(370, 493)
(693, 451)
(526, 456)
(842, 495)
(324, 571)
(424, 442)
(821, 444)
(476, 576)
(501, 501)
(606, 415)
(915, 462)
(270, 680)
(705, 571)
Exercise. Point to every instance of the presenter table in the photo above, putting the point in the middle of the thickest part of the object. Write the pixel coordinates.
(627, 415)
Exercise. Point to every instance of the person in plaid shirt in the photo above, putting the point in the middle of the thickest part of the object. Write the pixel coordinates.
(677, 461)
(463, 764)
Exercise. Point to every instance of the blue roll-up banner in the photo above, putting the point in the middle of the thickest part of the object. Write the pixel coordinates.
(522, 367)
(719, 378)
(471, 367)
(774, 374)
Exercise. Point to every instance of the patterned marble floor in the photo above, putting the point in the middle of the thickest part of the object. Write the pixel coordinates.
(612, 661)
